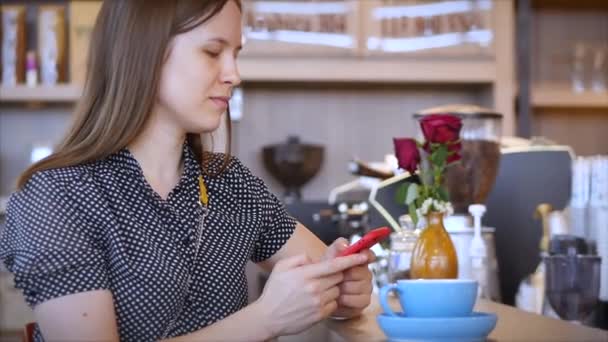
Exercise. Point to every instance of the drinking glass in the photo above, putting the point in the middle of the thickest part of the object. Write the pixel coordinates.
(572, 285)
(579, 67)
(599, 67)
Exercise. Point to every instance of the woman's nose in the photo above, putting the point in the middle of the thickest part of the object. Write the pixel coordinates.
(231, 73)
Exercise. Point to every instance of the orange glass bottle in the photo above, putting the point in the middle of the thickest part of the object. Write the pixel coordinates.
(434, 256)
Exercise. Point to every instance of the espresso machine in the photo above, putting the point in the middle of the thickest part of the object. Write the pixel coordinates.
(469, 182)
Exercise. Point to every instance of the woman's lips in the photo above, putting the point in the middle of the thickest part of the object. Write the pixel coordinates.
(220, 101)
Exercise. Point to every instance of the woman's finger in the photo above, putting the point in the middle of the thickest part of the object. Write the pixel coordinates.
(354, 301)
(328, 310)
(358, 273)
(356, 287)
(330, 295)
(328, 267)
(330, 281)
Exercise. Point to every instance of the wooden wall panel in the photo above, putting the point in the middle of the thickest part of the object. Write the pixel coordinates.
(585, 130)
(349, 120)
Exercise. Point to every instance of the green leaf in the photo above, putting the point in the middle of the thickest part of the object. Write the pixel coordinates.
(418, 202)
(436, 173)
(443, 194)
(412, 211)
(412, 193)
(401, 193)
(440, 155)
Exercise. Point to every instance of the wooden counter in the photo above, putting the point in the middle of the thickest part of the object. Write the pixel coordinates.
(513, 325)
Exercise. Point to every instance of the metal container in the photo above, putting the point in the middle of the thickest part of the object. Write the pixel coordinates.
(461, 238)
(293, 164)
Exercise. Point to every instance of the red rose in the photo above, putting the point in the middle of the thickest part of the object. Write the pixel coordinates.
(454, 152)
(441, 128)
(407, 153)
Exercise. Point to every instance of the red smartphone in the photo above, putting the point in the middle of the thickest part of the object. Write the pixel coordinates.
(368, 240)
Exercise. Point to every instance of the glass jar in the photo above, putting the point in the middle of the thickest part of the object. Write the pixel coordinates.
(402, 247)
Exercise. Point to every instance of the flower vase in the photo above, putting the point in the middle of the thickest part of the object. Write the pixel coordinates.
(434, 256)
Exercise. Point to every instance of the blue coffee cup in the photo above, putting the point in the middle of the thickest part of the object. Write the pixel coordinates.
(432, 297)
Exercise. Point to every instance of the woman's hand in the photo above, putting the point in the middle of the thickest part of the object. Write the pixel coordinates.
(356, 287)
(300, 293)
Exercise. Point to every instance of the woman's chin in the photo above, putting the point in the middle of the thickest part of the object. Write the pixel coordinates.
(204, 127)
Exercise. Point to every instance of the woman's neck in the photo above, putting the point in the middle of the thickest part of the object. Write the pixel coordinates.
(158, 150)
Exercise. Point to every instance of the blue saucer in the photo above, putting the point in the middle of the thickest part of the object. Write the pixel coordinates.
(473, 328)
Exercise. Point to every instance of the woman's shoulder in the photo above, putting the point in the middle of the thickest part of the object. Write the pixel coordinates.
(59, 178)
(231, 173)
(225, 165)
(48, 204)
(55, 184)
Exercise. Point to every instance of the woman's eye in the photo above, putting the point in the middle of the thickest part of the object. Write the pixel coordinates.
(213, 54)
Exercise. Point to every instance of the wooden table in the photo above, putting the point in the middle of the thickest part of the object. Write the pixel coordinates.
(513, 325)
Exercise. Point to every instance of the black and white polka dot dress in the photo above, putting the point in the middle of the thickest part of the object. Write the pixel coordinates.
(101, 226)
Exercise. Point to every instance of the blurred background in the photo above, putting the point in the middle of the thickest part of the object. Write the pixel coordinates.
(328, 84)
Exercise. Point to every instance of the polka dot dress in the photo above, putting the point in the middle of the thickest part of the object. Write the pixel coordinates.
(101, 226)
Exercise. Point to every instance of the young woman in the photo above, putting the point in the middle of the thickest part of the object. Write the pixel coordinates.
(131, 231)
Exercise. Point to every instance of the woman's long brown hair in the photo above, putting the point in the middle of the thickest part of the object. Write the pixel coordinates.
(127, 51)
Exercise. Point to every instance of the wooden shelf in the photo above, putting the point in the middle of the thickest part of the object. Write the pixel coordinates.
(308, 70)
(561, 96)
(367, 70)
(581, 5)
(57, 93)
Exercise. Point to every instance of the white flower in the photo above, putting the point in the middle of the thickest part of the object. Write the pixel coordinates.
(431, 204)
(426, 205)
(450, 209)
(438, 206)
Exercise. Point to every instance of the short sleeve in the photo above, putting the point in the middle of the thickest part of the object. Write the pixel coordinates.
(277, 226)
(48, 244)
